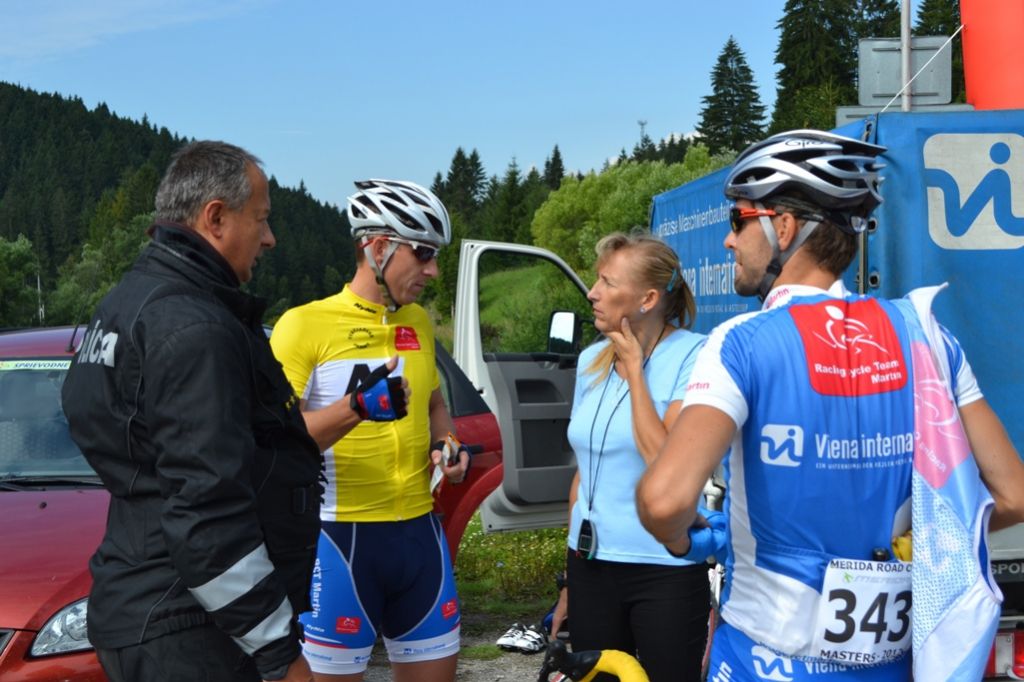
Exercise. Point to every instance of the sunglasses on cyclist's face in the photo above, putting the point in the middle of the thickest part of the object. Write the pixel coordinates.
(738, 217)
(423, 253)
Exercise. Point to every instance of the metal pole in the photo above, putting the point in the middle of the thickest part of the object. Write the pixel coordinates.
(39, 300)
(905, 54)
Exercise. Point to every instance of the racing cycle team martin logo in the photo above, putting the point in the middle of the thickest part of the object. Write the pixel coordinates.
(846, 333)
(782, 445)
(974, 194)
(851, 347)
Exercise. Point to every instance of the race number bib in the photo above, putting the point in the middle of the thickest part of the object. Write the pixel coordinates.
(864, 612)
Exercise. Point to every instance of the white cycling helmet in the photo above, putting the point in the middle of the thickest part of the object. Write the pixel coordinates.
(404, 209)
(837, 174)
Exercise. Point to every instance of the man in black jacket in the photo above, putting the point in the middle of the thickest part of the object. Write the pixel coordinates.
(178, 403)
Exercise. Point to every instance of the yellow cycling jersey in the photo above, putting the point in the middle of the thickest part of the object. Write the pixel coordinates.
(378, 471)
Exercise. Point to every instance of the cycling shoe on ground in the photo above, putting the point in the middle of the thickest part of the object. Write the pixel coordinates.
(508, 641)
(531, 640)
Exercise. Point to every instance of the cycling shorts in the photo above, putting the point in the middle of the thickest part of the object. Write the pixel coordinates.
(388, 577)
(737, 658)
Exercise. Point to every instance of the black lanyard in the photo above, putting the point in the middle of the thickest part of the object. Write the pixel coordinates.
(590, 464)
(591, 469)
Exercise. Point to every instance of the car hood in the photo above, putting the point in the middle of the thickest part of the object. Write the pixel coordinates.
(46, 540)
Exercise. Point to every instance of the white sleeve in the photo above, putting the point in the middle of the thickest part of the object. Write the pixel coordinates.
(711, 382)
(965, 384)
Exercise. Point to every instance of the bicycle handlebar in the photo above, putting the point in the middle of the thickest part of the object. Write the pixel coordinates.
(585, 665)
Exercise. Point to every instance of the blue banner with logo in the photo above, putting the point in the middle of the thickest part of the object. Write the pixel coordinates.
(694, 220)
(953, 212)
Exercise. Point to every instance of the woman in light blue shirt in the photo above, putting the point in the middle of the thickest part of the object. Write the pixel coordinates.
(624, 590)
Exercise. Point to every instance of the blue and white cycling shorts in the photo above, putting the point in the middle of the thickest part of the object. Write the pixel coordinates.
(392, 577)
(737, 658)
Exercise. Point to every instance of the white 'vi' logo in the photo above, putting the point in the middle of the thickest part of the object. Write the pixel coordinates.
(782, 445)
(974, 181)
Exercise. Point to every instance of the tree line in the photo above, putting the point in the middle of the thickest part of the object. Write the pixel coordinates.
(77, 185)
(817, 57)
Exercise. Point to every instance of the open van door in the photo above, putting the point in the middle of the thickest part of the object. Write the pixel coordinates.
(504, 303)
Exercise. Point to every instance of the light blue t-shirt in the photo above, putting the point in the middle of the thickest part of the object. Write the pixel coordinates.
(610, 466)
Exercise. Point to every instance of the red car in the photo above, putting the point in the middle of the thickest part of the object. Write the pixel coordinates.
(54, 507)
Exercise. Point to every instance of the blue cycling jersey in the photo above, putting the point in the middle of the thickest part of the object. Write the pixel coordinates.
(819, 474)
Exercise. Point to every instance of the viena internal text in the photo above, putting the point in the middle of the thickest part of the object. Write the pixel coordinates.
(864, 447)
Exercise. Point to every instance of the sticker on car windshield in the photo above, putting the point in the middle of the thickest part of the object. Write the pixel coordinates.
(8, 365)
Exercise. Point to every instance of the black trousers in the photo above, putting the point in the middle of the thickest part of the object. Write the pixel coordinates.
(199, 654)
(657, 613)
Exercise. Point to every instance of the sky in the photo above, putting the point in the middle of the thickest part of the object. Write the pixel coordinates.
(329, 92)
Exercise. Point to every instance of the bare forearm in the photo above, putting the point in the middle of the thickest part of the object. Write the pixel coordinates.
(648, 429)
(998, 462)
(665, 516)
(441, 423)
(670, 489)
(330, 424)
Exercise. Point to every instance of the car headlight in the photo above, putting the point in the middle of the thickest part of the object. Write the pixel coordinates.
(63, 633)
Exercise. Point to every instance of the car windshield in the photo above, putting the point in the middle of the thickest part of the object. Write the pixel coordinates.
(34, 438)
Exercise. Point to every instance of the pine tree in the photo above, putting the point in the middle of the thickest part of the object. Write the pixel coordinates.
(644, 150)
(476, 177)
(818, 54)
(504, 207)
(809, 53)
(814, 53)
(875, 19)
(463, 188)
(554, 170)
(942, 18)
(534, 191)
(732, 115)
(438, 186)
(871, 19)
(673, 149)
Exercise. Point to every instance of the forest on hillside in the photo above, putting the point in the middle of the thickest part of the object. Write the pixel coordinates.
(76, 196)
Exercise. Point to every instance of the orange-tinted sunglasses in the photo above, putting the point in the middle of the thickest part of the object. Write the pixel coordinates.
(738, 217)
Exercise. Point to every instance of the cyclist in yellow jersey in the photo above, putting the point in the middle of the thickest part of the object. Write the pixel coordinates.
(362, 362)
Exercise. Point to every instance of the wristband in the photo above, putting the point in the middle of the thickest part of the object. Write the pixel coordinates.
(452, 443)
(469, 457)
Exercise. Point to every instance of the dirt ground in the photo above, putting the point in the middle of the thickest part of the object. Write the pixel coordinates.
(476, 630)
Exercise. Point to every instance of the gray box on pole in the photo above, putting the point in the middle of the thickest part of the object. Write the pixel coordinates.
(879, 71)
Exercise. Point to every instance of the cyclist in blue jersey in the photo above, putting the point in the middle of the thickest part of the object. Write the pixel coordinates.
(822, 405)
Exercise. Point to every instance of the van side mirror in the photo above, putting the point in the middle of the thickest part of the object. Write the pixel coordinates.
(564, 333)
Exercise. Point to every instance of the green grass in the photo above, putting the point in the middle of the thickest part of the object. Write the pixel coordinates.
(509, 574)
(481, 652)
(526, 283)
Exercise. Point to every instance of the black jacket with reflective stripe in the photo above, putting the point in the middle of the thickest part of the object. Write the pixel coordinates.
(179, 405)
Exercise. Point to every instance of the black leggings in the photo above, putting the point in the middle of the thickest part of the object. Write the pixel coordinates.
(657, 613)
